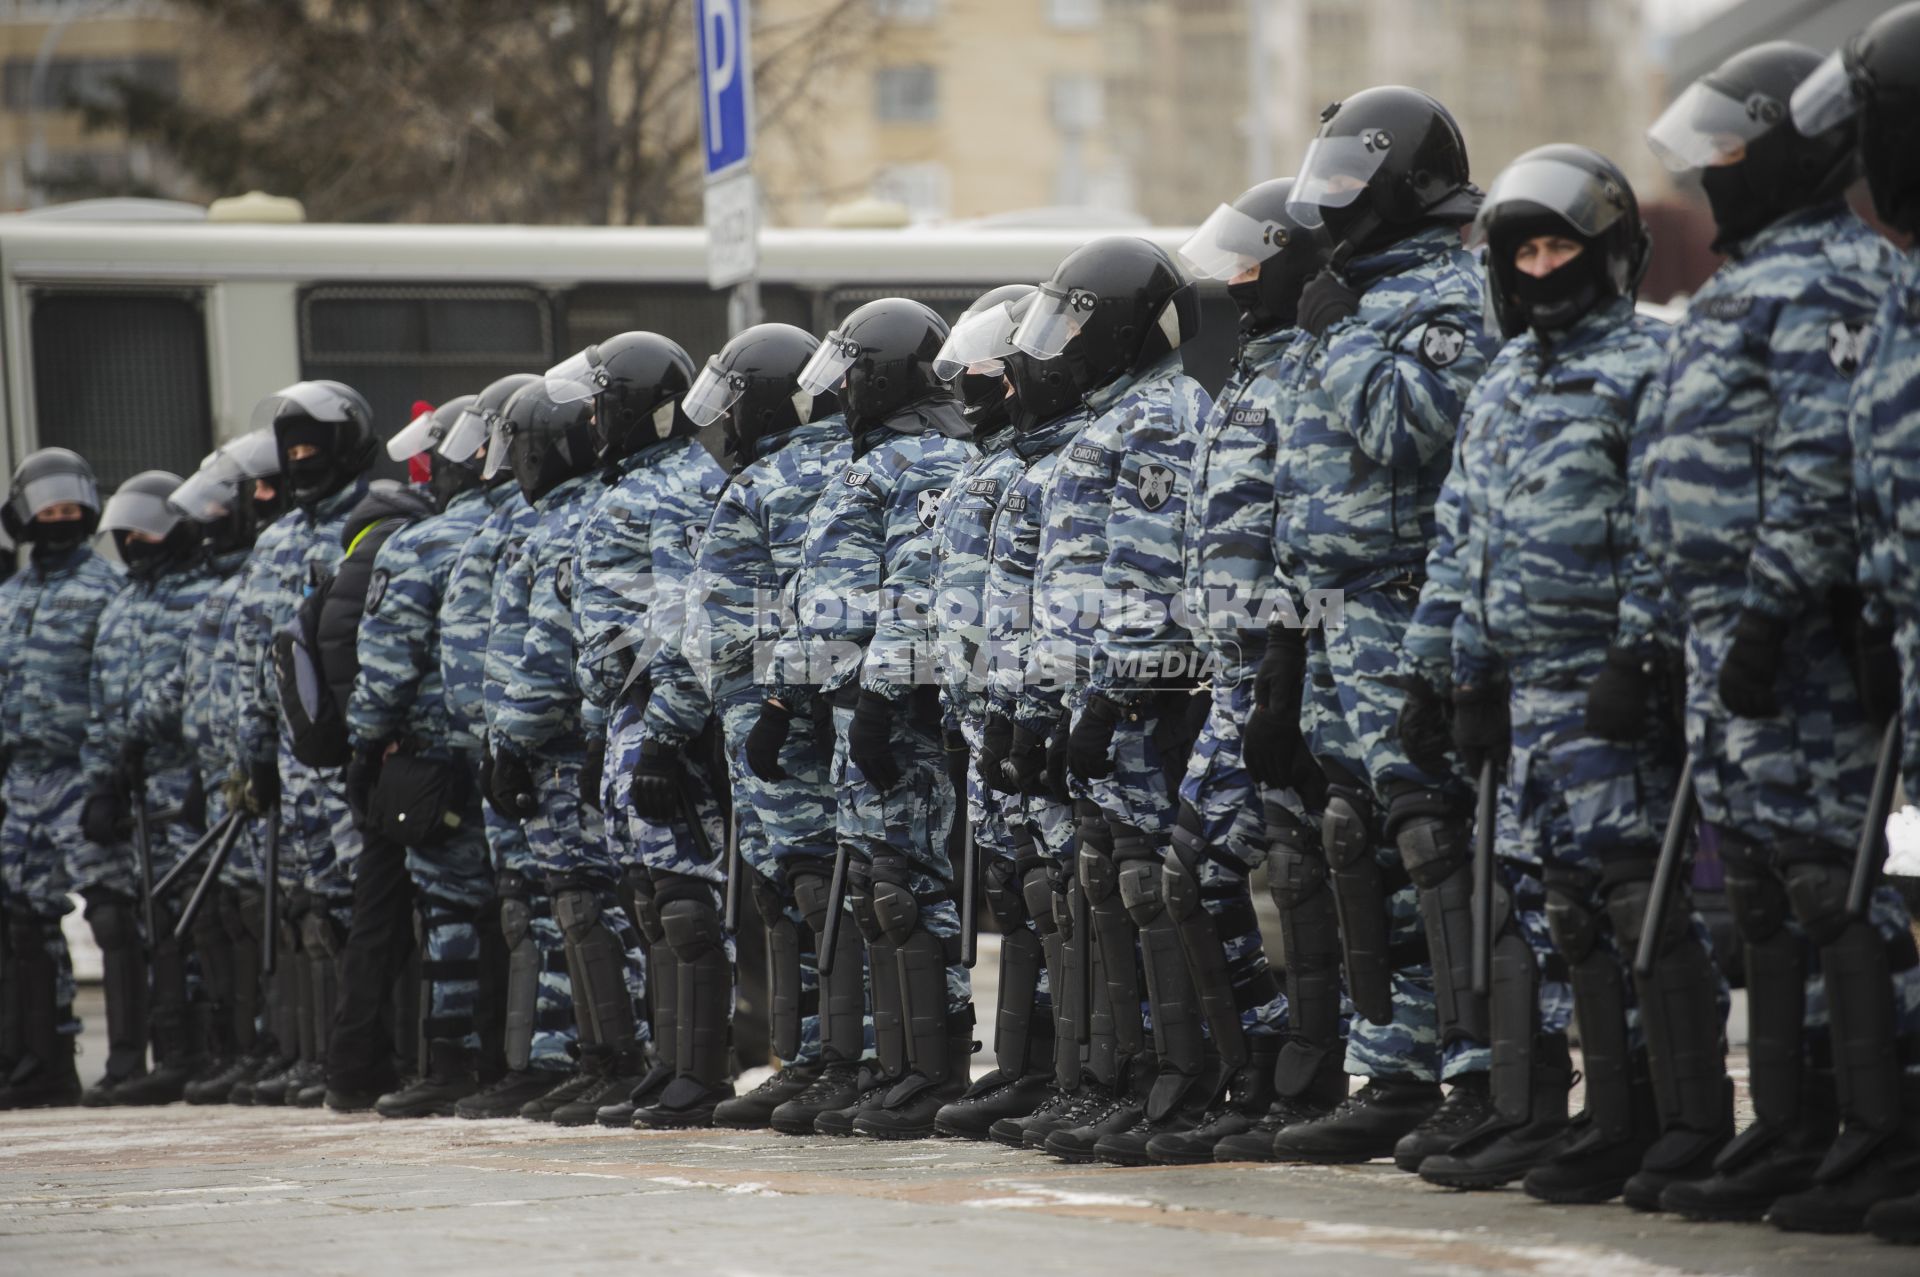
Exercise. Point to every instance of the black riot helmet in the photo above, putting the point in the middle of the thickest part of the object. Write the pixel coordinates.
(1112, 307)
(541, 443)
(333, 419)
(754, 383)
(166, 541)
(219, 499)
(50, 477)
(1875, 80)
(468, 439)
(635, 381)
(973, 358)
(446, 478)
(1733, 126)
(1575, 193)
(1387, 162)
(1257, 232)
(881, 359)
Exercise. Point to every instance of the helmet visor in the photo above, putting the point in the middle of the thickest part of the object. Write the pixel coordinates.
(322, 403)
(828, 367)
(253, 455)
(1229, 243)
(1587, 202)
(577, 379)
(414, 438)
(979, 344)
(1706, 128)
(36, 494)
(1054, 318)
(209, 492)
(138, 512)
(499, 437)
(1334, 173)
(468, 435)
(713, 392)
(1827, 98)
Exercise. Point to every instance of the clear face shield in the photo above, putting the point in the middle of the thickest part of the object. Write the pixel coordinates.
(210, 492)
(1587, 202)
(142, 512)
(579, 378)
(1054, 318)
(467, 436)
(414, 438)
(1230, 243)
(499, 439)
(713, 393)
(828, 367)
(1335, 173)
(1707, 128)
(1826, 99)
(36, 494)
(320, 402)
(979, 344)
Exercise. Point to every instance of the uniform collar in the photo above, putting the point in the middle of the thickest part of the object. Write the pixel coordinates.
(1798, 225)
(1165, 368)
(62, 564)
(1409, 254)
(1045, 438)
(1590, 329)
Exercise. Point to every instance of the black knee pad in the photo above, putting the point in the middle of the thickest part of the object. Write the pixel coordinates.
(768, 900)
(1006, 898)
(1297, 870)
(1755, 895)
(895, 910)
(111, 915)
(692, 924)
(1180, 876)
(1090, 826)
(638, 881)
(1571, 919)
(1817, 879)
(1138, 863)
(1431, 833)
(577, 910)
(1043, 889)
(860, 895)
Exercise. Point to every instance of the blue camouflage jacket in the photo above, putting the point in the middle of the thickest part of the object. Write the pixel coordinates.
(466, 613)
(752, 548)
(201, 682)
(1536, 554)
(962, 550)
(400, 691)
(50, 614)
(162, 695)
(1369, 437)
(865, 578)
(1747, 495)
(1884, 414)
(1013, 561)
(686, 481)
(113, 678)
(614, 583)
(533, 696)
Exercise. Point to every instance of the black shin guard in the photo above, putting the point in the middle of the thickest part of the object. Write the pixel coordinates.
(1022, 959)
(923, 961)
(883, 970)
(1513, 1016)
(690, 917)
(843, 993)
(1776, 968)
(1349, 834)
(1200, 937)
(1436, 848)
(521, 994)
(783, 966)
(596, 966)
(1113, 927)
(1299, 882)
(1599, 999)
(123, 974)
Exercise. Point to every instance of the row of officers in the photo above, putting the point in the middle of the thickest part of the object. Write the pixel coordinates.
(1472, 602)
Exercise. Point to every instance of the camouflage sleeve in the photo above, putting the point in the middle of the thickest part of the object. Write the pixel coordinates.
(1649, 615)
(506, 632)
(256, 709)
(98, 747)
(1400, 392)
(1805, 538)
(1444, 641)
(156, 712)
(679, 704)
(900, 653)
(733, 577)
(838, 589)
(540, 700)
(397, 644)
(613, 588)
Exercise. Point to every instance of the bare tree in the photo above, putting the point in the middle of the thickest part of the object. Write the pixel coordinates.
(569, 111)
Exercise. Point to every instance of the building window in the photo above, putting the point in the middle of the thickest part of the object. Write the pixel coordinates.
(926, 190)
(914, 11)
(906, 94)
(71, 82)
(1079, 102)
(1074, 15)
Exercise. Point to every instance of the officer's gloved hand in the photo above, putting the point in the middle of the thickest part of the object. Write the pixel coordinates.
(657, 777)
(1617, 698)
(263, 786)
(870, 741)
(1090, 743)
(1325, 301)
(1025, 767)
(130, 769)
(103, 815)
(1425, 727)
(764, 739)
(594, 771)
(996, 739)
(1876, 673)
(510, 787)
(193, 803)
(1752, 667)
(1055, 784)
(953, 743)
(1482, 726)
(363, 773)
(1271, 742)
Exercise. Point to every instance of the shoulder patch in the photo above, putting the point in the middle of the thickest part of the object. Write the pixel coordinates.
(857, 478)
(1016, 502)
(1441, 345)
(695, 533)
(1723, 307)
(1088, 453)
(1155, 485)
(1847, 344)
(563, 581)
(929, 506)
(376, 590)
(984, 488)
(1248, 416)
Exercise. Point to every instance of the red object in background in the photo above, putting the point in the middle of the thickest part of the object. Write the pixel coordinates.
(421, 465)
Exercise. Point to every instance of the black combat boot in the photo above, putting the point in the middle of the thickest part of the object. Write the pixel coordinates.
(619, 1114)
(1896, 1220)
(1604, 1144)
(1507, 1150)
(43, 1074)
(839, 1084)
(994, 1098)
(1467, 1110)
(754, 1110)
(509, 1094)
(1768, 1161)
(449, 1078)
(910, 1106)
(176, 1061)
(1366, 1125)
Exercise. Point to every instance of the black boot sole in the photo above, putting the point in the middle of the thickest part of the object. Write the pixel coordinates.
(1473, 1181)
(896, 1133)
(1722, 1215)
(652, 1121)
(1575, 1196)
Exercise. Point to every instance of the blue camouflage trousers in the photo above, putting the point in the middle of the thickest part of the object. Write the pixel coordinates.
(455, 882)
(38, 841)
(992, 817)
(1233, 825)
(910, 822)
(168, 842)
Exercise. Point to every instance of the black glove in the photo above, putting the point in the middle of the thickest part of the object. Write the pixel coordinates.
(1752, 667)
(1425, 727)
(594, 771)
(870, 741)
(1482, 724)
(1090, 744)
(103, 816)
(996, 739)
(1617, 698)
(768, 734)
(362, 774)
(1271, 743)
(510, 786)
(193, 803)
(657, 777)
(263, 786)
(1054, 785)
(1325, 301)
(1876, 673)
(1026, 764)
(130, 769)
(954, 743)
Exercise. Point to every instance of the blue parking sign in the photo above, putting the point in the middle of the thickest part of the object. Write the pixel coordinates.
(726, 84)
